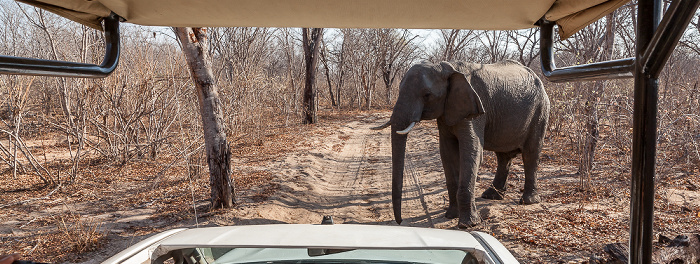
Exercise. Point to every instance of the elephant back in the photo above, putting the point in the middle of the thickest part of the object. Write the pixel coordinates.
(514, 99)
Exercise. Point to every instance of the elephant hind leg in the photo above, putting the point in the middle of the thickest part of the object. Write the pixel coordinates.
(530, 163)
(498, 188)
(531, 154)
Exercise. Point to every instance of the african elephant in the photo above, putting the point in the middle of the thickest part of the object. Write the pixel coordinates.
(501, 107)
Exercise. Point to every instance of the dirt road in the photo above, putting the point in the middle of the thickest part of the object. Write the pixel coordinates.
(347, 174)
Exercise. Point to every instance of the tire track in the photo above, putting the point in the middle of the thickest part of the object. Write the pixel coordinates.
(367, 194)
(410, 170)
(350, 178)
(346, 180)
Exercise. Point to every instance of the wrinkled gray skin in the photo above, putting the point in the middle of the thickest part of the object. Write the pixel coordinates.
(500, 107)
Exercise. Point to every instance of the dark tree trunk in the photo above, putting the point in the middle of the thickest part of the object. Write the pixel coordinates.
(312, 41)
(388, 81)
(341, 72)
(195, 46)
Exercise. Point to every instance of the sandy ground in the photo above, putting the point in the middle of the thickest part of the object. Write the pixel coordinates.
(347, 174)
(344, 170)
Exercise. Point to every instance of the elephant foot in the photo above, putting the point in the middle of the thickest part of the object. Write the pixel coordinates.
(493, 194)
(452, 212)
(530, 198)
(469, 222)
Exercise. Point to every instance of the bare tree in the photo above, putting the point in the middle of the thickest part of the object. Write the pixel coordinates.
(334, 57)
(592, 123)
(312, 45)
(397, 52)
(239, 49)
(194, 45)
(691, 41)
(452, 44)
(526, 44)
(327, 72)
(495, 44)
(370, 60)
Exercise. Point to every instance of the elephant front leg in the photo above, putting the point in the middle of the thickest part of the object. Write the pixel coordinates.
(471, 158)
(449, 154)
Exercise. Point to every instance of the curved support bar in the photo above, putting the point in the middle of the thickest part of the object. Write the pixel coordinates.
(29, 66)
(614, 69)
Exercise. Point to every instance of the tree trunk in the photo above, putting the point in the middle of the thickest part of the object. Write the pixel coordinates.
(195, 46)
(366, 93)
(591, 110)
(388, 81)
(328, 76)
(341, 72)
(312, 41)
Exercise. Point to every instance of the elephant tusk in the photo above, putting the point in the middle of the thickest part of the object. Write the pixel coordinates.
(408, 129)
(385, 125)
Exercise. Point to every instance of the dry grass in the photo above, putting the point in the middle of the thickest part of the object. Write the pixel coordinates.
(76, 219)
(82, 235)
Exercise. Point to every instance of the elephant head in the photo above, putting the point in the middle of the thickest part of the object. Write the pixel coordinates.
(427, 91)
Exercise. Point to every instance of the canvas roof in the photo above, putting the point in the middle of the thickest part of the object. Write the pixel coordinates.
(570, 15)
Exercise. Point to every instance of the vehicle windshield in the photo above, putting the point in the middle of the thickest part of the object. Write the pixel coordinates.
(317, 256)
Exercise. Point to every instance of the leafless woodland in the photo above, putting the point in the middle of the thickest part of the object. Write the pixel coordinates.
(147, 111)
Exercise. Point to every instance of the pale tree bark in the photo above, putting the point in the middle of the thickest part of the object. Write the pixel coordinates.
(195, 46)
(591, 110)
(312, 45)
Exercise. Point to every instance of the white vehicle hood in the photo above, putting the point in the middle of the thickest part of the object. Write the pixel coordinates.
(342, 236)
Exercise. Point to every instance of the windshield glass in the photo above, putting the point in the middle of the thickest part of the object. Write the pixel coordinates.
(320, 256)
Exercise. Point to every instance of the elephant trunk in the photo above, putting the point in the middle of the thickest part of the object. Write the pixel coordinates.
(385, 125)
(398, 155)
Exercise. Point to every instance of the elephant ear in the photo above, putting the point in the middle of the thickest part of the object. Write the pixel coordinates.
(462, 101)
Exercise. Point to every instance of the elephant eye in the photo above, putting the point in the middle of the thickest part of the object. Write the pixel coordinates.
(426, 96)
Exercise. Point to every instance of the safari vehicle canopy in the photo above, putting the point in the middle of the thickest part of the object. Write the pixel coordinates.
(657, 36)
(571, 15)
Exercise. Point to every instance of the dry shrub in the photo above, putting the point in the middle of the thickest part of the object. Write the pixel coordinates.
(134, 112)
(678, 117)
(83, 235)
(254, 105)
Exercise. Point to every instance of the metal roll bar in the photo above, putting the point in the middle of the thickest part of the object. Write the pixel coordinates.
(656, 40)
(30, 66)
(614, 69)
